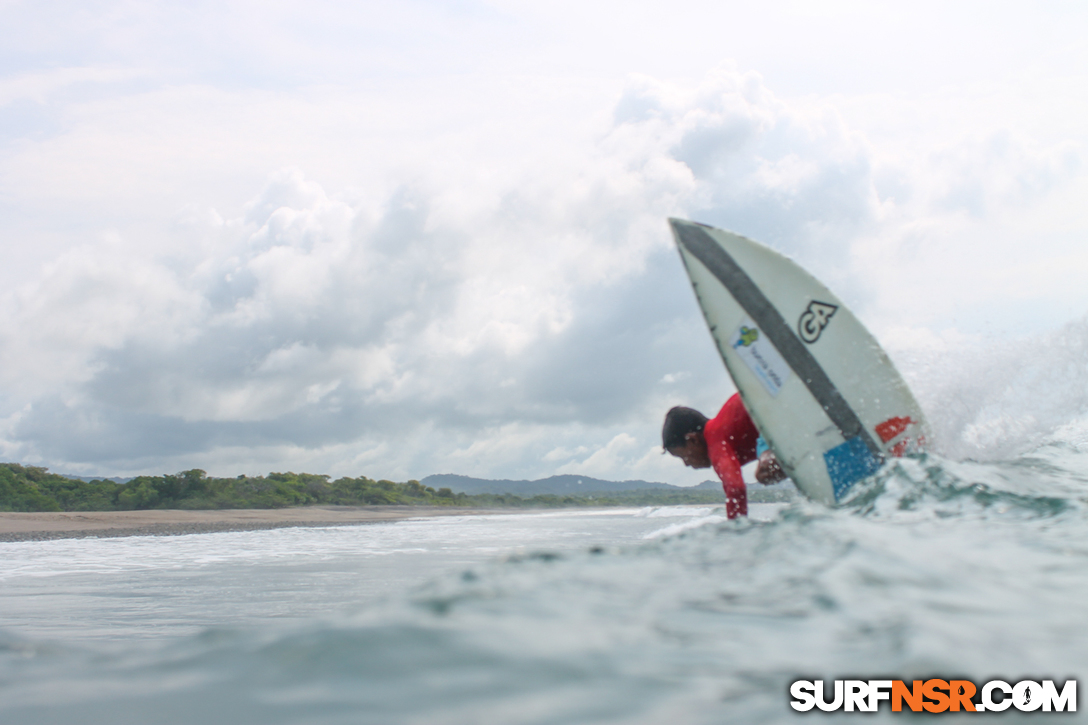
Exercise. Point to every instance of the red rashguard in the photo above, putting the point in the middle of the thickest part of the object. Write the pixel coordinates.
(731, 442)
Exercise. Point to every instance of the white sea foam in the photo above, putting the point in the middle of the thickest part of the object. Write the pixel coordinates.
(680, 528)
(996, 399)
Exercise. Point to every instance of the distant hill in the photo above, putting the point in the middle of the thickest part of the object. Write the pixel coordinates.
(565, 485)
(560, 485)
(88, 479)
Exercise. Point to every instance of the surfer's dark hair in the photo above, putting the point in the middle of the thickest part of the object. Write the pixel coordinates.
(680, 421)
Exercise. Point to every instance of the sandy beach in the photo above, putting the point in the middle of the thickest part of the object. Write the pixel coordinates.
(38, 526)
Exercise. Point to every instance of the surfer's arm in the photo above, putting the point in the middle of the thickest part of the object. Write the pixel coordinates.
(727, 466)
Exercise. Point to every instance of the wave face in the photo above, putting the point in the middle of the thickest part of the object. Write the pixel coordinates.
(933, 567)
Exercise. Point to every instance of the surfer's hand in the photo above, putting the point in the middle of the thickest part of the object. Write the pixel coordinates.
(767, 470)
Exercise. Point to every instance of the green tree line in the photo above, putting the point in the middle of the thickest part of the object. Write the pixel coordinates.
(30, 488)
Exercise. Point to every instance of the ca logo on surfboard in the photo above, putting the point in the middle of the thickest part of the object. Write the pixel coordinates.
(814, 319)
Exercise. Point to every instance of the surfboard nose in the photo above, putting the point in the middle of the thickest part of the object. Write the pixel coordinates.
(678, 226)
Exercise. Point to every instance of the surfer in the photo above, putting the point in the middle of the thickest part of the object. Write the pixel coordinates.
(725, 444)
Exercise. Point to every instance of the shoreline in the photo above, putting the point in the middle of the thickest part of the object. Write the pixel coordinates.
(47, 525)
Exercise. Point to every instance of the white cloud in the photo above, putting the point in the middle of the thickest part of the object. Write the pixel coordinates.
(40, 87)
(606, 461)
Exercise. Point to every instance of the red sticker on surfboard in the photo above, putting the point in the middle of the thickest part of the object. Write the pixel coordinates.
(892, 427)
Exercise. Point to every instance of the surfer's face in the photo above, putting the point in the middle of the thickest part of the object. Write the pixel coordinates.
(693, 453)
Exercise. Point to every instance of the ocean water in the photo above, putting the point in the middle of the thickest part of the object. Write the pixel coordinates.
(933, 568)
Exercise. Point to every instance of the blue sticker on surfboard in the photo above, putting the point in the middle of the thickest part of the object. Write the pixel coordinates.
(848, 463)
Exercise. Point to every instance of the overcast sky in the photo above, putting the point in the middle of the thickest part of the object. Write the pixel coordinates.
(397, 239)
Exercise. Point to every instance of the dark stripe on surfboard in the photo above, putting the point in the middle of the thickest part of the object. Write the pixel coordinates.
(770, 320)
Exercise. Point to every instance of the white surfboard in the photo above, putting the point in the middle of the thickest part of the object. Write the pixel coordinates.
(822, 392)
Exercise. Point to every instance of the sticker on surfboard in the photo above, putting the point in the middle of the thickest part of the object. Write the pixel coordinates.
(895, 427)
(851, 461)
(848, 463)
(761, 357)
(814, 319)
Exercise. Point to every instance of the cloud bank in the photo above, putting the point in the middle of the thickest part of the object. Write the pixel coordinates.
(515, 318)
